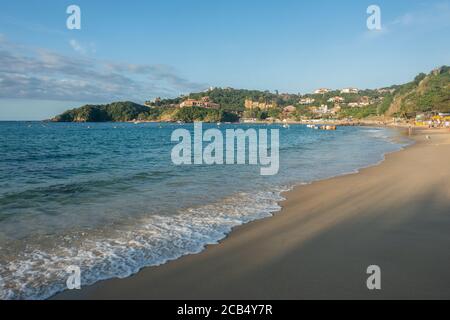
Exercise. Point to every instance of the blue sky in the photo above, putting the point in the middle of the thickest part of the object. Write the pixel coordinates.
(137, 50)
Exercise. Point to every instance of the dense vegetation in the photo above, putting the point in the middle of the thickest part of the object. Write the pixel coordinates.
(359, 113)
(426, 93)
(229, 99)
(258, 114)
(116, 111)
(205, 115)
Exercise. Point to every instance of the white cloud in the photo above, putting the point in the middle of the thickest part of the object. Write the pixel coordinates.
(82, 48)
(77, 46)
(38, 73)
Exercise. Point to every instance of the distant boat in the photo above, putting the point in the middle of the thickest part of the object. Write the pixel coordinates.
(328, 128)
(286, 126)
(219, 123)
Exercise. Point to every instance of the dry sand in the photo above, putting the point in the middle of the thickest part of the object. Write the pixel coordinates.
(395, 215)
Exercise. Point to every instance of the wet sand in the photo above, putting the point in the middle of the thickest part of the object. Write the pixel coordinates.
(395, 215)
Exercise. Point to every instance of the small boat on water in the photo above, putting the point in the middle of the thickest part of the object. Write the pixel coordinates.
(328, 128)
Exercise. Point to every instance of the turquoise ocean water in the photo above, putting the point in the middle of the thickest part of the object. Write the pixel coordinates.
(107, 198)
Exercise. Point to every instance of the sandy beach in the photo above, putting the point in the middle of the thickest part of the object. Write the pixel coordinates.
(395, 215)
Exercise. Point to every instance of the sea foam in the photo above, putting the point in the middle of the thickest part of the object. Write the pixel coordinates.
(120, 252)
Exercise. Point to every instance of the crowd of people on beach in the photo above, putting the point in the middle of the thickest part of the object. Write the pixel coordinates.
(439, 124)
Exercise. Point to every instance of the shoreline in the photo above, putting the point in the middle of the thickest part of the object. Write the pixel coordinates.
(179, 278)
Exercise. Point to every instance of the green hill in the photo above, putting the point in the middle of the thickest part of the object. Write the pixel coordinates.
(426, 93)
(129, 111)
(116, 111)
(231, 99)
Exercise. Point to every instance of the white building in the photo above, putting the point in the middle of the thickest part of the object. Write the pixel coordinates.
(322, 91)
(350, 90)
(336, 99)
(307, 101)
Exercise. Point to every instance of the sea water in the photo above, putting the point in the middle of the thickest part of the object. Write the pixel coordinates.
(107, 198)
